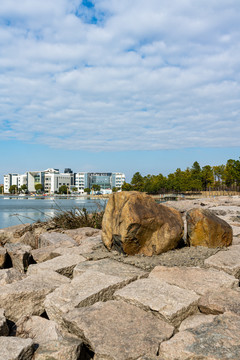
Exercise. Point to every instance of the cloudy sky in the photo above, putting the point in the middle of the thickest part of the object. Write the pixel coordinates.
(109, 85)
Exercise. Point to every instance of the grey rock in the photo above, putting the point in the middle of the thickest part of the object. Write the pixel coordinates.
(216, 340)
(13, 348)
(84, 290)
(228, 261)
(3, 324)
(64, 265)
(20, 255)
(53, 238)
(115, 330)
(26, 297)
(8, 276)
(168, 302)
(12, 233)
(3, 254)
(82, 234)
(110, 267)
(195, 278)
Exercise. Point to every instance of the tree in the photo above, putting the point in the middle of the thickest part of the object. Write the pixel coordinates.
(96, 187)
(38, 188)
(137, 182)
(87, 190)
(74, 189)
(1, 189)
(207, 177)
(63, 189)
(115, 189)
(23, 188)
(126, 187)
(13, 189)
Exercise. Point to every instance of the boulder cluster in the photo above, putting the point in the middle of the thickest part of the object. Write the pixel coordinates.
(65, 296)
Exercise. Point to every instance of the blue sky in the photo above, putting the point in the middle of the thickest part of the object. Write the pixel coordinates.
(109, 85)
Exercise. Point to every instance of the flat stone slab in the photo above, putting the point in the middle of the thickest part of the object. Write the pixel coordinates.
(115, 330)
(3, 324)
(63, 265)
(13, 348)
(52, 342)
(110, 267)
(167, 301)
(84, 290)
(228, 261)
(217, 340)
(53, 238)
(26, 297)
(194, 278)
(8, 276)
(218, 302)
(195, 320)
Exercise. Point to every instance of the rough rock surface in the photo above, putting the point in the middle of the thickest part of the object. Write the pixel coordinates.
(3, 324)
(228, 261)
(111, 321)
(218, 302)
(12, 233)
(84, 290)
(8, 276)
(194, 278)
(134, 223)
(53, 238)
(13, 348)
(3, 254)
(195, 320)
(168, 301)
(26, 296)
(52, 342)
(81, 234)
(20, 255)
(206, 229)
(216, 340)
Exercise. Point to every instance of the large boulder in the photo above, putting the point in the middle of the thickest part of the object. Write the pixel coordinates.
(206, 229)
(134, 223)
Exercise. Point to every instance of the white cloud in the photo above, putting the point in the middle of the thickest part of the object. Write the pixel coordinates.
(144, 76)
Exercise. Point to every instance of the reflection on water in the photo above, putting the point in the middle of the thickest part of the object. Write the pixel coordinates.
(14, 211)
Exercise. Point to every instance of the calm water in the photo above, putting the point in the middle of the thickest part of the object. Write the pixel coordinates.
(14, 211)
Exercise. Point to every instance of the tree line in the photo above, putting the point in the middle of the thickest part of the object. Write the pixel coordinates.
(220, 177)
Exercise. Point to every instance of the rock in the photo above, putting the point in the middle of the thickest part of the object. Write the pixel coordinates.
(53, 238)
(29, 239)
(13, 348)
(236, 230)
(26, 297)
(8, 276)
(236, 240)
(228, 260)
(20, 256)
(45, 253)
(194, 278)
(84, 290)
(195, 320)
(206, 229)
(115, 330)
(12, 233)
(52, 343)
(64, 265)
(166, 301)
(3, 324)
(218, 302)
(3, 254)
(82, 234)
(217, 340)
(110, 267)
(134, 223)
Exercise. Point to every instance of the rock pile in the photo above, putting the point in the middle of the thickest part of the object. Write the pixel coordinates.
(72, 299)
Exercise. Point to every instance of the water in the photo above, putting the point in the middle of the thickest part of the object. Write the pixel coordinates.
(15, 211)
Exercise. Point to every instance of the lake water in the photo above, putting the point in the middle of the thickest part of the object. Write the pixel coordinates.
(14, 211)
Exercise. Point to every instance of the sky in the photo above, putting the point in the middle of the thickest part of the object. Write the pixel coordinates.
(109, 85)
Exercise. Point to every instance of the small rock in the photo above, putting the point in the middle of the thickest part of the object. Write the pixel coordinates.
(13, 348)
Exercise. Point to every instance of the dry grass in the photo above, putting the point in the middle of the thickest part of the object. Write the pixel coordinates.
(77, 218)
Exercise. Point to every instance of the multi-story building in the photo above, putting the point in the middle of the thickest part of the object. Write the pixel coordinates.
(51, 180)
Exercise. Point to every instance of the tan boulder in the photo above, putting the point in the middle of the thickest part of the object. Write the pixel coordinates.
(134, 223)
(206, 229)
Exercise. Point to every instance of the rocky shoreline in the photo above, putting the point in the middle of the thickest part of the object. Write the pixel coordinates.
(64, 296)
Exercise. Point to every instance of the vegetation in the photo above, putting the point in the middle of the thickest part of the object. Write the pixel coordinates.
(23, 188)
(1, 189)
(13, 189)
(38, 188)
(63, 189)
(74, 189)
(220, 177)
(87, 190)
(76, 218)
(96, 187)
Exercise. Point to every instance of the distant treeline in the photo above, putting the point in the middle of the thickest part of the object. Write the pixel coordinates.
(220, 177)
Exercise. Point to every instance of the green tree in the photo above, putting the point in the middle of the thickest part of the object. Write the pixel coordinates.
(126, 187)
(38, 188)
(137, 182)
(63, 189)
(115, 189)
(87, 190)
(23, 188)
(13, 189)
(74, 189)
(96, 187)
(207, 176)
(1, 189)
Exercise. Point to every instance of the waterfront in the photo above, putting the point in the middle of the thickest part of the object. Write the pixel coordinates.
(17, 210)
